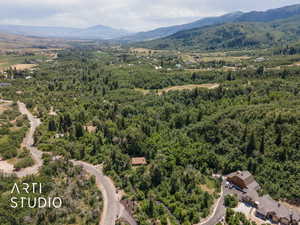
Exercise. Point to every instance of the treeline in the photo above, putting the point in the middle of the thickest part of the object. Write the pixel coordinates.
(288, 50)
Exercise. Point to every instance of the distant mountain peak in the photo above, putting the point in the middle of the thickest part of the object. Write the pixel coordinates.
(98, 27)
(236, 13)
(94, 32)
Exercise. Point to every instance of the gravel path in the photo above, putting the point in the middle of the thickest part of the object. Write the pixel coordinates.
(6, 167)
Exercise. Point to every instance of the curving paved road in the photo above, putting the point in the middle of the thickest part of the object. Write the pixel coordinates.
(28, 143)
(111, 203)
(219, 211)
(113, 209)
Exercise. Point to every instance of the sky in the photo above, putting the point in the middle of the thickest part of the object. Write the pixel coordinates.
(133, 15)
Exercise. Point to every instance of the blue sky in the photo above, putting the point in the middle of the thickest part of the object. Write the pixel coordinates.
(134, 15)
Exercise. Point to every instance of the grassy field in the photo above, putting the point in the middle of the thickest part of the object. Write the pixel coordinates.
(147, 51)
(19, 61)
(179, 88)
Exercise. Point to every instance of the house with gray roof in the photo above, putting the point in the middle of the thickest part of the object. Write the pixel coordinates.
(266, 207)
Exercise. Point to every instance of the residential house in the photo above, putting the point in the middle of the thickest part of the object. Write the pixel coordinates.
(266, 208)
(138, 161)
(242, 179)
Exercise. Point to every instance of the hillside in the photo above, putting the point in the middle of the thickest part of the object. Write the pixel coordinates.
(166, 31)
(270, 15)
(232, 36)
(254, 16)
(14, 41)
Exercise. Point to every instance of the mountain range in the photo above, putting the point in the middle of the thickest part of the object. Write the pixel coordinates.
(231, 36)
(254, 16)
(254, 29)
(166, 31)
(14, 41)
(95, 32)
(185, 35)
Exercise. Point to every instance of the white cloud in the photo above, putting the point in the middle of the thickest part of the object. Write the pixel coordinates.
(128, 14)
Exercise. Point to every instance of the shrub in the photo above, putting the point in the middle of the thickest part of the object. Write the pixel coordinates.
(10, 153)
(23, 163)
(230, 201)
(24, 153)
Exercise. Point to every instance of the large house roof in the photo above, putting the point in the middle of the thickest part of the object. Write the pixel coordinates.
(246, 176)
(266, 202)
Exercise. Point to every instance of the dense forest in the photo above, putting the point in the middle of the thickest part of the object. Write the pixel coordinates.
(228, 36)
(250, 122)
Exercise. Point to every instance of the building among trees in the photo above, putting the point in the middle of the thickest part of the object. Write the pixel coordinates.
(266, 207)
(138, 161)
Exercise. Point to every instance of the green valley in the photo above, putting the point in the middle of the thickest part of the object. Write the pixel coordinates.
(195, 124)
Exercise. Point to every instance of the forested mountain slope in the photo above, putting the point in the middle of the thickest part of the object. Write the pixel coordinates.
(232, 36)
(270, 15)
(166, 31)
(253, 16)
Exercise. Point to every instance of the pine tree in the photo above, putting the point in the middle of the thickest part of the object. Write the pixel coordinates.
(95, 147)
(262, 145)
(245, 134)
(78, 130)
(278, 140)
(156, 175)
(52, 125)
(251, 146)
(260, 70)
(200, 115)
(150, 209)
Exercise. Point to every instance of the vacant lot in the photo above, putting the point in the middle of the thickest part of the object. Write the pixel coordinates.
(180, 88)
(146, 51)
(188, 58)
(188, 87)
(295, 64)
(233, 59)
(19, 61)
(23, 66)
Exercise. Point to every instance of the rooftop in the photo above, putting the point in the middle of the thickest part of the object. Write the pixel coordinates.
(244, 175)
(266, 202)
(138, 161)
